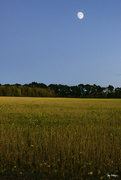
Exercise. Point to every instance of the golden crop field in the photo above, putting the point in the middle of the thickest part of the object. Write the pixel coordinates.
(60, 138)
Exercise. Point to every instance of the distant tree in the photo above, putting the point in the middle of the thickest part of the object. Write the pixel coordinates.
(33, 84)
(7, 85)
(94, 90)
(75, 91)
(81, 88)
(110, 89)
(27, 91)
(41, 85)
(54, 87)
(6, 90)
(87, 90)
(18, 92)
(1, 90)
(118, 92)
(63, 90)
(22, 90)
(32, 92)
(18, 85)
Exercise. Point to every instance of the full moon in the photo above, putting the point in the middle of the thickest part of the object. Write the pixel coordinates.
(80, 15)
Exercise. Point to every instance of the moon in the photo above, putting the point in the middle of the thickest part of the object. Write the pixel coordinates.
(80, 15)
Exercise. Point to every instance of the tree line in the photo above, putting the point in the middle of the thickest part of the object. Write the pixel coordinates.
(35, 89)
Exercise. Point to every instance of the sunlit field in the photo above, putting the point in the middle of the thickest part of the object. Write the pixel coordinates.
(60, 138)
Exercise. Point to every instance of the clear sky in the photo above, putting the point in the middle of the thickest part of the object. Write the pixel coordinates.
(44, 41)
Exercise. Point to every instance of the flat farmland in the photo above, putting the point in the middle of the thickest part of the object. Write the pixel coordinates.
(60, 138)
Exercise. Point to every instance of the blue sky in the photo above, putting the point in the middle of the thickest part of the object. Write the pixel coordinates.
(44, 41)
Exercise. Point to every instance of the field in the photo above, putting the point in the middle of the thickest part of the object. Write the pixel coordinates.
(60, 138)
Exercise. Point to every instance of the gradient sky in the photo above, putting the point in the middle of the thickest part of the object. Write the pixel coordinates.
(44, 41)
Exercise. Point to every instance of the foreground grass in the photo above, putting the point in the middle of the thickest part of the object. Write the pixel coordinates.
(54, 138)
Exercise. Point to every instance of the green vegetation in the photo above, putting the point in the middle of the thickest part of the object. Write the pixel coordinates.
(60, 138)
(35, 89)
